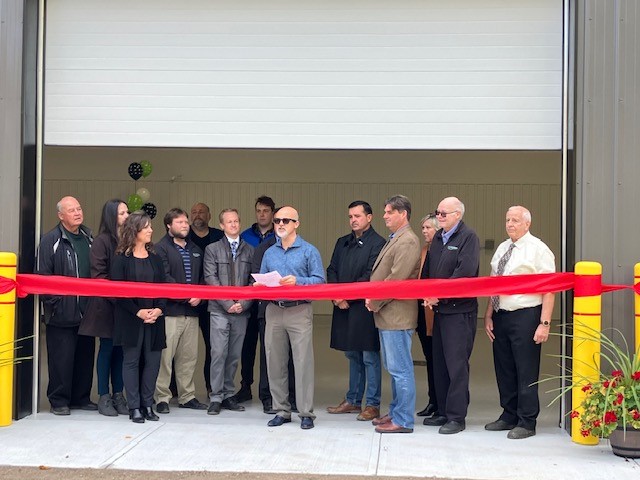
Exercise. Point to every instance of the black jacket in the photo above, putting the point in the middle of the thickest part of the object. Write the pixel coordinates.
(352, 261)
(56, 256)
(459, 258)
(127, 325)
(174, 271)
(256, 263)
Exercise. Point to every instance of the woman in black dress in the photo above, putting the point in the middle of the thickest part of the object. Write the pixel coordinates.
(139, 322)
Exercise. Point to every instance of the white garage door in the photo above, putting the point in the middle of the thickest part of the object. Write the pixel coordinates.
(359, 74)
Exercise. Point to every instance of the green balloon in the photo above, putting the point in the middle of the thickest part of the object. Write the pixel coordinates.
(147, 168)
(134, 202)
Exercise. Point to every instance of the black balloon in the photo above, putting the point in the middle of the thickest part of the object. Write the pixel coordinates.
(150, 209)
(135, 170)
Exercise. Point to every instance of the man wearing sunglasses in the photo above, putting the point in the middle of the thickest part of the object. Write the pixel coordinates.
(290, 322)
(396, 320)
(454, 253)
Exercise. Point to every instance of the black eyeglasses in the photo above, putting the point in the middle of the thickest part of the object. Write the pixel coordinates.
(442, 213)
(286, 221)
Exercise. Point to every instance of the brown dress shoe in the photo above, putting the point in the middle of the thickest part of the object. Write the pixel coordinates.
(344, 407)
(392, 428)
(381, 421)
(369, 413)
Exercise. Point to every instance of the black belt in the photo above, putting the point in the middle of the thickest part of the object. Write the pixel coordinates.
(287, 303)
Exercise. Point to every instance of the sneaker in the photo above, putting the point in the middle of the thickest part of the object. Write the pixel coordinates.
(106, 407)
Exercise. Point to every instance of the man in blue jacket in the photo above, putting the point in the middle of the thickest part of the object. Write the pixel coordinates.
(65, 251)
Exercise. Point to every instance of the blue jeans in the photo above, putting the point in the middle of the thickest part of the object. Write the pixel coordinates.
(396, 355)
(364, 369)
(109, 365)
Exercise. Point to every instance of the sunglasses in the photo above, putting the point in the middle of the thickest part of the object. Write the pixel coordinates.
(442, 213)
(285, 221)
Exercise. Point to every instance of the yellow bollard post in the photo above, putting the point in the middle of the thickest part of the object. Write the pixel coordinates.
(636, 280)
(587, 325)
(8, 265)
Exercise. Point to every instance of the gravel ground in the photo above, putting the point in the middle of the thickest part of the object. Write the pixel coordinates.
(46, 473)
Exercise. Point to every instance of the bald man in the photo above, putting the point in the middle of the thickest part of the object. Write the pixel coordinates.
(65, 251)
(454, 253)
(290, 322)
(517, 326)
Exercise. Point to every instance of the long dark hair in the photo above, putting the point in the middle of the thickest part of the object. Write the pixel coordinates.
(132, 225)
(109, 218)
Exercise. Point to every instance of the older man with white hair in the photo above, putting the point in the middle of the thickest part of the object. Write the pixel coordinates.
(517, 325)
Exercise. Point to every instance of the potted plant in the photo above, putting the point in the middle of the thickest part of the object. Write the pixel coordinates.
(611, 406)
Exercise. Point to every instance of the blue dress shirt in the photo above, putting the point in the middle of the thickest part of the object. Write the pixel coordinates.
(302, 260)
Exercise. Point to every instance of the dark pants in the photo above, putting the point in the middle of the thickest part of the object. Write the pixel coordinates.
(427, 350)
(263, 389)
(140, 371)
(517, 362)
(70, 358)
(204, 319)
(248, 356)
(109, 367)
(453, 336)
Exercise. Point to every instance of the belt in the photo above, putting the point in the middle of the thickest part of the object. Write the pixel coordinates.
(287, 303)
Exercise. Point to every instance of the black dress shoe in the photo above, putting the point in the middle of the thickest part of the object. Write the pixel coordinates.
(451, 427)
(435, 421)
(267, 407)
(518, 433)
(231, 404)
(214, 408)
(306, 423)
(243, 395)
(135, 415)
(193, 404)
(90, 407)
(64, 410)
(278, 421)
(428, 411)
(149, 414)
(162, 407)
(498, 426)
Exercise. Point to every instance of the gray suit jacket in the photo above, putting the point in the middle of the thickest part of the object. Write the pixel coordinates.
(398, 260)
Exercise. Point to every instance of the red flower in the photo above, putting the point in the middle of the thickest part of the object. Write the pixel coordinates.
(575, 414)
(636, 375)
(596, 423)
(586, 388)
(635, 414)
(605, 384)
(617, 373)
(619, 399)
(610, 417)
(585, 433)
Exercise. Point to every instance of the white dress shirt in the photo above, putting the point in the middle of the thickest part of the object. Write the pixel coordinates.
(530, 255)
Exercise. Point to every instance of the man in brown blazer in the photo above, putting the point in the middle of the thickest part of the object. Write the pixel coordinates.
(396, 319)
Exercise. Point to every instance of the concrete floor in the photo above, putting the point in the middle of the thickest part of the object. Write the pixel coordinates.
(241, 441)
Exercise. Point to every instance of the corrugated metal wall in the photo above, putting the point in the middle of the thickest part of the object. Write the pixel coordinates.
(608, 146)
(10, 121)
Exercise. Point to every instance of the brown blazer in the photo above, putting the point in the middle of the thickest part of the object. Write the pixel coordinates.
(398, 260)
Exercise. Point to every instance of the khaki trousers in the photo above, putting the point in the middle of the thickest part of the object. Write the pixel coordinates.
(290, 326)
(182, 350)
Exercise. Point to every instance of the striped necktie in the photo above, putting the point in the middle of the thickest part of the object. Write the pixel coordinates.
(495, 300)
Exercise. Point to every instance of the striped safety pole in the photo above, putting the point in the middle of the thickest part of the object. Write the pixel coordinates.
(8, 267)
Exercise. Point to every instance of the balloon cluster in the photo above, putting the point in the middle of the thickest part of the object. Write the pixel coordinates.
(140, 199)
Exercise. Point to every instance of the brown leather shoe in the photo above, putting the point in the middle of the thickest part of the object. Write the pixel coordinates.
(369, 413)
(382, 420)
(344, 407)
(392, 428)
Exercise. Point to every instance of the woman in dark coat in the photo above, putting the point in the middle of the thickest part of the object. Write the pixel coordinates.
(139, 322)
(98, 320)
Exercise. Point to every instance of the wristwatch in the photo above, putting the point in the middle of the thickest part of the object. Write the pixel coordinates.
(546, 323)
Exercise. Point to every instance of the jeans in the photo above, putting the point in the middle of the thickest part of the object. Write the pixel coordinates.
(109, 366)
(364, 369)
(396, 355)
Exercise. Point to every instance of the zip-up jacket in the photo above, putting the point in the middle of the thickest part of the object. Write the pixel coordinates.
(56, 256)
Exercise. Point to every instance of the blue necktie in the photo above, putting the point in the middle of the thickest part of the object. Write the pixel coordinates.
(234, 249)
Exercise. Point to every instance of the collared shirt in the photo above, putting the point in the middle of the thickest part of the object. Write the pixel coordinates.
(185, 253)
(302, 260)
(447, 235)
(530, 255)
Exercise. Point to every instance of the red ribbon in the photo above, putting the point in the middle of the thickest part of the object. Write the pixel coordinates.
(28, 284)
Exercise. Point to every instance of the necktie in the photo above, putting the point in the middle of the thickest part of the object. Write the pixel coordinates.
(495, 301)
(234, 249)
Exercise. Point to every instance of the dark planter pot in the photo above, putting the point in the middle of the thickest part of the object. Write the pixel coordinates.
(626, 444)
